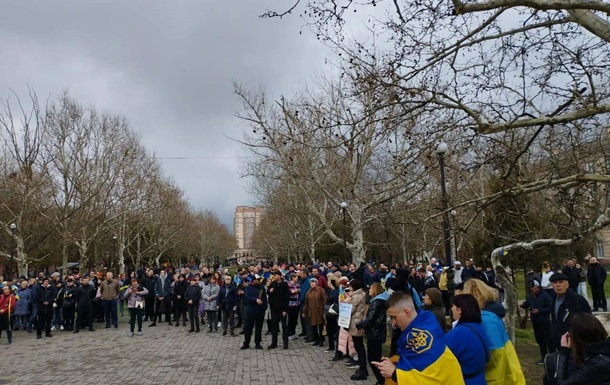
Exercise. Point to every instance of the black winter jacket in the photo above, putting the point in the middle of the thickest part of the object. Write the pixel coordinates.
(179, 289)
(45, 295)
(542, 302)
(596, 275)
(149, 284)
(70, 296)
(193, 293)
(374, 324)
(252, 293)
(561, 323)
(278, 296)
(227, 297)
(84, 296)
(596, 368)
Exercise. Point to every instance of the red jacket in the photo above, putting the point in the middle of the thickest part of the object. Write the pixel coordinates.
(7, 303)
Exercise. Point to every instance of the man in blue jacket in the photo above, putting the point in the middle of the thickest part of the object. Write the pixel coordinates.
(539, 304)
(163, 292)
(256, 304)
(305, 286)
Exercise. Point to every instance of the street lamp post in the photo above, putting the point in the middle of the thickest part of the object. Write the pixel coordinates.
(343, 211)
(441, 150)
(113, 252)
(10, 269)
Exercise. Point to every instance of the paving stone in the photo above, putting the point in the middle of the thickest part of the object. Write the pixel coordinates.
(163, 355)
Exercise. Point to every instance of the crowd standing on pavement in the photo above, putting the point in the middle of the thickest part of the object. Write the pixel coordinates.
(446, 322)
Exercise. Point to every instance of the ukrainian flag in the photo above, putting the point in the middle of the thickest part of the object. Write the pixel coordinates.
(503, 367)
(425, 358)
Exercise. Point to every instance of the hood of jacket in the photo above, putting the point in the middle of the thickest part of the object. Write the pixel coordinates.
(496, 308)
(383, 296)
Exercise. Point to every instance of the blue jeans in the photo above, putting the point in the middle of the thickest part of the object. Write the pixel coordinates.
(21, 321)
(33, 315)
(109, 306)
(58, 317)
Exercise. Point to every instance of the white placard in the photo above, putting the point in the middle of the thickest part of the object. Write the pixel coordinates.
(345, 314)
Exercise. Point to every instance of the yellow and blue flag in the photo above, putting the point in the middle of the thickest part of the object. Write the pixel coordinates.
(341, 294)
(425, 358)
(503, 367)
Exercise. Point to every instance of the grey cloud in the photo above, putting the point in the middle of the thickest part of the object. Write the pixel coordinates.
(168, 66)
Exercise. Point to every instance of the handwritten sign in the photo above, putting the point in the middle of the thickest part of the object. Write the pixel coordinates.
(345, 314)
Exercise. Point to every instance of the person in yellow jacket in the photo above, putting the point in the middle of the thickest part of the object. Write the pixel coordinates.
(424, 357)
(503, 367)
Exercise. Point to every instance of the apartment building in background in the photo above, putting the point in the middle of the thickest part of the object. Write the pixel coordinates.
(245, 222)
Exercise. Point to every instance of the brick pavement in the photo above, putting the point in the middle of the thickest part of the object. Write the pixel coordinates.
(163, 355)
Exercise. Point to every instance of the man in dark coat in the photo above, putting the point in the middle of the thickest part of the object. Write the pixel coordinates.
(489, 277)
(241, 303)
(256, 304)
(564, 306)
(227, 305)
(163, 292)
(572, 274)
(469, 271)
(192, 296)
(84, 305)
(539, 304)
(44, 301)
(278, 304)
(148, 281)
(179, 303)
(596, 276)
(69, 304)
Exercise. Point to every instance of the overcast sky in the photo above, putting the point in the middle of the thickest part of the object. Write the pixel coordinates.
(168, 66)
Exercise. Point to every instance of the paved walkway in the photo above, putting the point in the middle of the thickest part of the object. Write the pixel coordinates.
(163, 355)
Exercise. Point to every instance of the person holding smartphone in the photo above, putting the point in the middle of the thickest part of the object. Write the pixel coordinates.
(135, 295)
(588, 342)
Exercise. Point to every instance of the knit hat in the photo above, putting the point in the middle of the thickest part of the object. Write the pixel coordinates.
(435, 296)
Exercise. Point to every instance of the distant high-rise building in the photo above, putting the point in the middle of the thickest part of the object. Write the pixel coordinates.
(245, 222)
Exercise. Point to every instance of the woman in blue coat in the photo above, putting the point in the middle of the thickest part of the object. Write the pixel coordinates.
(23, 305)
(468, 340)
(227, 304)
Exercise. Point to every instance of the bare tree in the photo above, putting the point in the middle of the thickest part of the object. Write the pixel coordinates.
(343, 142)
(25, 190)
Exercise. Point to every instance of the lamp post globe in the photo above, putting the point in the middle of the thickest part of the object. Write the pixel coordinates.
(442, 148)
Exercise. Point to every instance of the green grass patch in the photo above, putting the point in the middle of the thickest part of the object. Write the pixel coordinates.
(525, 334)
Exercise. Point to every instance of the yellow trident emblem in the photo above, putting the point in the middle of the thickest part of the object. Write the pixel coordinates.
(419, 340)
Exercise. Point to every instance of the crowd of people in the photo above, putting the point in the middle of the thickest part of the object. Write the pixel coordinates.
(442, 317)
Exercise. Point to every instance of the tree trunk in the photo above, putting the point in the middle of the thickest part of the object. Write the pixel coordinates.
(312, 250)
(64, 254)
(121, 259)
(21, 257)
(23, 268)
(510, 293)
(82, 250)
(357, 246)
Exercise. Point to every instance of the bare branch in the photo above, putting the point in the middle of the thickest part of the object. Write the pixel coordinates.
(270, 14)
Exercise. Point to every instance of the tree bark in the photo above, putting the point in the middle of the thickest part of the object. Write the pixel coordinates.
(510, 293)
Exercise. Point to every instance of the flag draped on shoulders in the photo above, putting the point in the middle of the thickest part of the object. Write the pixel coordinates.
(424, 357)
(503, 367)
